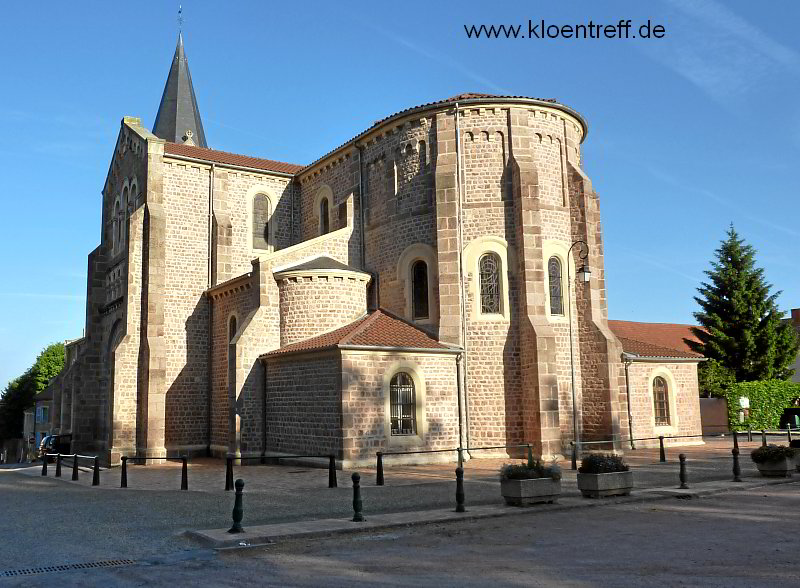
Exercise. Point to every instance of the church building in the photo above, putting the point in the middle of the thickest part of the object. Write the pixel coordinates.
(437, 281)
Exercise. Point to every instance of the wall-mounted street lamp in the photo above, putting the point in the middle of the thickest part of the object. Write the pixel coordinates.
(584, 275)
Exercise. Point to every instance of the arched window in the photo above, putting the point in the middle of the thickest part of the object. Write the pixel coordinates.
(123, 216)
(115, 228)
(261, 213)
(231, 329)
(423, 156)
(661, 401)
(324, 219)
(489, 268)
(556, 296)
(419, 290)
(402, 403)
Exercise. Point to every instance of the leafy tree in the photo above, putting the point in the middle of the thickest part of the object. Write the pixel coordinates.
(743, 329)
(714, 379)
(19, 393)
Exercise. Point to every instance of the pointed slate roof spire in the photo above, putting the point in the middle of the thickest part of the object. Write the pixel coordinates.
(178, 112)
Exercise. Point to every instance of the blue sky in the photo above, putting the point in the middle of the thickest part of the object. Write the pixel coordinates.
(687, 133)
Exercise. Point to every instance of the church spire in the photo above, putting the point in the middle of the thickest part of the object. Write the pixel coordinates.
(178, 118)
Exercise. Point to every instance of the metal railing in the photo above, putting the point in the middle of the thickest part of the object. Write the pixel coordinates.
(263, 459)
(123, 479)
(75, 457)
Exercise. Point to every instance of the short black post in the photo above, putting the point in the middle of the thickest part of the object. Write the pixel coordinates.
(737, 470)
(574, 455)
(184, 473)
(789, 433)
(379, 473)
(682, 458)
(44, 465)
(228, 474)
(238, 510)
(749, 434)
(96, 472)
(332, 471)
(763, 438)
(357, 504)
(460, 490)
(530, 456)
(123, 480)
(662, 454)
(58, 465)
(75, 468)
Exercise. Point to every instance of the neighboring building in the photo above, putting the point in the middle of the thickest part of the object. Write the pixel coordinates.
(661, 376)
(38, 421)
(795, 318)
(407, 290)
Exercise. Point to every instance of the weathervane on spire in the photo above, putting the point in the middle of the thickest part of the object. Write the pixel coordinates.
(180, 18)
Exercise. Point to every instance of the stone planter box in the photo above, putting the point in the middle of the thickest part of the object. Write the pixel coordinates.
(533, 491)
(611, 484)
(777, 469)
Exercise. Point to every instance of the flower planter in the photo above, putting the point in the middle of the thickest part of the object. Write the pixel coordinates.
(611, 484)
(777, 469)
(531, 491)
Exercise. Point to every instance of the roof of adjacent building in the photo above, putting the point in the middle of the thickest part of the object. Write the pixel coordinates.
(224, 157)
(178, 112)
(378, 328)
(323, 262)
(655, 339)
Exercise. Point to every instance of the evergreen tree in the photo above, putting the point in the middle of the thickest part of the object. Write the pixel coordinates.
(743, 329)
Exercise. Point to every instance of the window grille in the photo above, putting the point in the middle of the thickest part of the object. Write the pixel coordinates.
(324, 221)
(419, 289)
(489, 267)
(402, 405)
(661, 401)
(556, 296)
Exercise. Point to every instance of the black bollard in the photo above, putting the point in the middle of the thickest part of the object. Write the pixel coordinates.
(123, 480)
(789, 433)
(763, 438)
(737, 470)
(530, 456)
(58, 465)
(357, 504)
(44, 465)
(96, 472)
(184, 473)
(460, 490)
(682, 458)
(238, 510)
(228, 474)
(75, 468)
(332, 472)
(379, 474)
(662, 454)
(749, 434)
(574, 455)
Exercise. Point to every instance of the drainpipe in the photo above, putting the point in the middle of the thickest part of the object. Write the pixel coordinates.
(264, 412)
(459, 358)
(209, 369)
(627, 361)
(462, 303)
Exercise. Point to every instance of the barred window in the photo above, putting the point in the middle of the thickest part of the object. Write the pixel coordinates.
(402, 404)
(489, 268)
(556, 296)
(661, 401)
(261, 212)
(419, 289)
(324, 220)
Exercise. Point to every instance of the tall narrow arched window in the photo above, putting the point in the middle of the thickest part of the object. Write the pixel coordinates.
(115, 228)
(423, 157)
(489, 268)
(403, 404)
(324, 219)
(661, 401)
(260, 228)
(123, 216)
(556, 294)
(419, 290)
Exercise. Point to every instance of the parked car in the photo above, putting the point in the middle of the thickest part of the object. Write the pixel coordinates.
(55, 444)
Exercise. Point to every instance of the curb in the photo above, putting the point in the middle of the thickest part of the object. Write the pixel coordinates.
(264, 535)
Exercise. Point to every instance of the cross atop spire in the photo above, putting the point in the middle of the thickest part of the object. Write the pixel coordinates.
(178, 118)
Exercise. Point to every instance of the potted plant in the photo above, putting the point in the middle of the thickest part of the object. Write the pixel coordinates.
(774, 460)
(604, 475)
(531, 483)
(795, 444)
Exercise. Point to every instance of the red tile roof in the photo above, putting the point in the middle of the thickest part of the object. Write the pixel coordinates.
(376, 329)
(654, 339)
(230, 158)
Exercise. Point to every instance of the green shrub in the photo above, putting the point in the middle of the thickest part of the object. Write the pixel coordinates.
(602, 463)
(770, 453)
(529, 471)
(768, 399)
